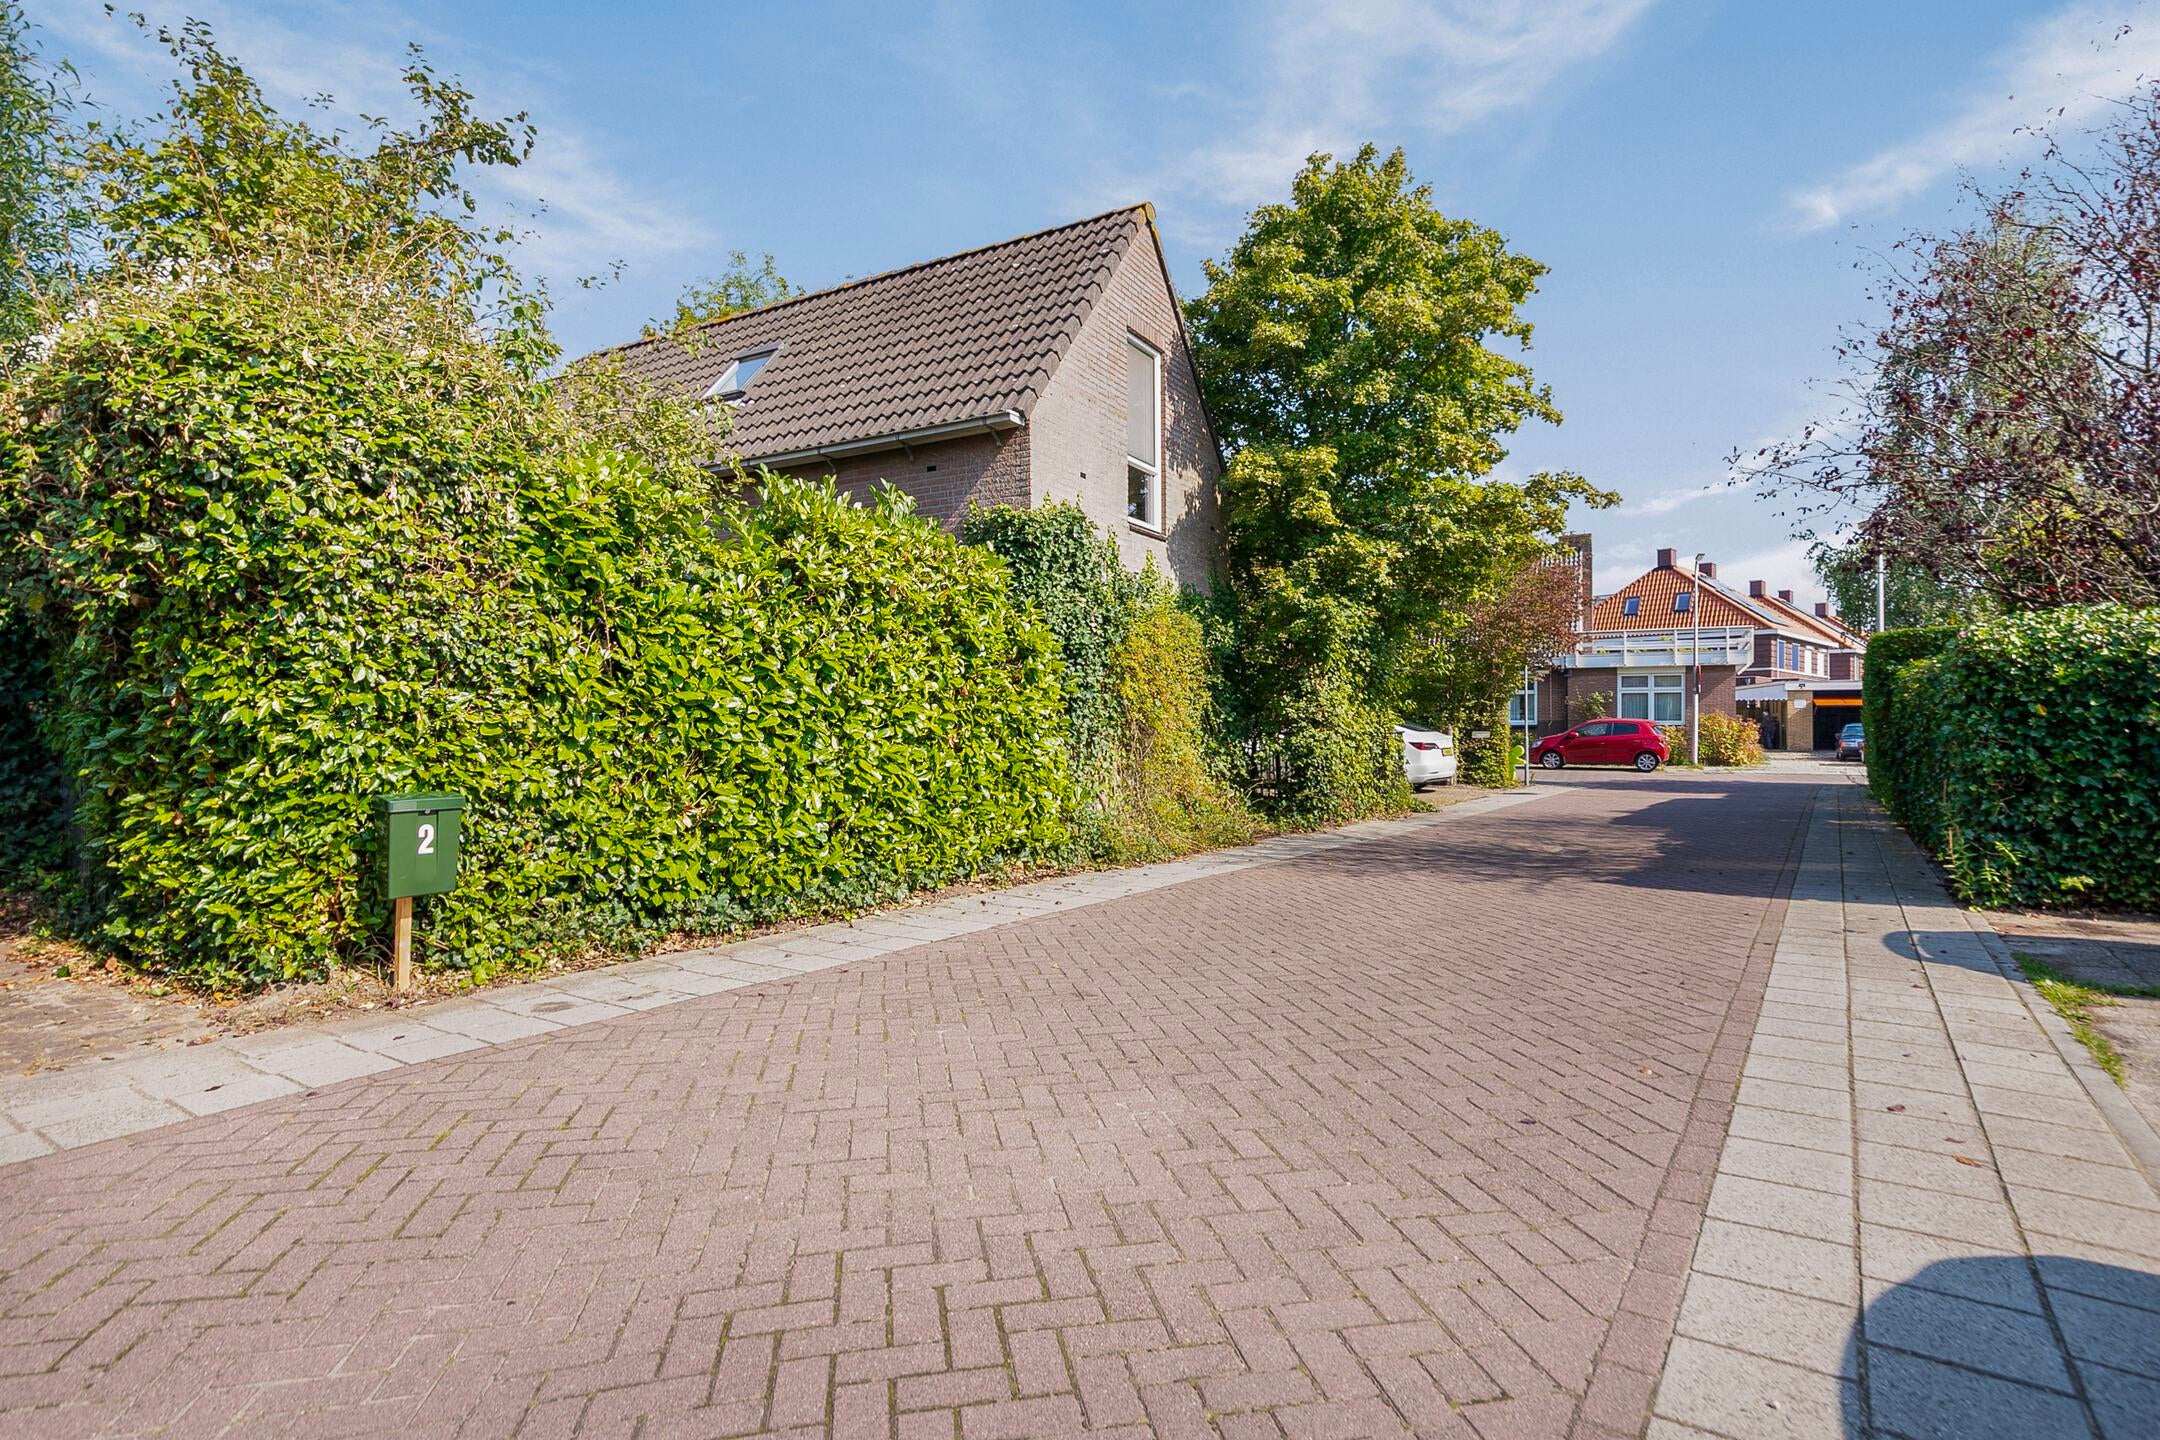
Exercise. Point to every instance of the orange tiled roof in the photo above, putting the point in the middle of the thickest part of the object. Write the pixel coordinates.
(1656, 590)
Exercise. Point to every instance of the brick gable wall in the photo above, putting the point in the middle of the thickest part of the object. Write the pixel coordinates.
(943, 477)
(1077, 433)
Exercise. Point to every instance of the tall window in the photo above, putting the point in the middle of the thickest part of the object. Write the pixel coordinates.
(1143, 433)
(1522, 707)
(1653, 696)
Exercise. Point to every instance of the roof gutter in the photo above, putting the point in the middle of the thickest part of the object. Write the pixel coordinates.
(995, 424)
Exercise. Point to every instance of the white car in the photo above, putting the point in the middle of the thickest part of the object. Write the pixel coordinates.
(1428, 756)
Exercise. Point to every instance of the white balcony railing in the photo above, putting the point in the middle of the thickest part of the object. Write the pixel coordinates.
(1723, 645)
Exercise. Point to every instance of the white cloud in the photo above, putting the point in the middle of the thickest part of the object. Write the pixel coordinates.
(580, 215)
(1667, 501)
(1336, 75)
(2065, 69)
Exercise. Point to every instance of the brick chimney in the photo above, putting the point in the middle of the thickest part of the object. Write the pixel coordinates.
(1758, 588)
(1708, 569)
(1580, 544)
(1785, 595)
(1666, 559)
(1822, 609)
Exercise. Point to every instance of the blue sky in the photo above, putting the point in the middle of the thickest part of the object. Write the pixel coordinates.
(1701, 177)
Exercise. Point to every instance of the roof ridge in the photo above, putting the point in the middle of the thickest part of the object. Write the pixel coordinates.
(882, 275)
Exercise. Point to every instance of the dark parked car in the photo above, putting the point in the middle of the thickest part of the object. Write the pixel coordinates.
(1603, 742)
(1852, 742)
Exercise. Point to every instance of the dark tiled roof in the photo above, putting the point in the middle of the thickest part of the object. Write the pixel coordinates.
(964, 338)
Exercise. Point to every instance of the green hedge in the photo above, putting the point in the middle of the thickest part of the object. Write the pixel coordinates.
(1889, 763)
(1140, 719)
(294, 548)
(2026, 752)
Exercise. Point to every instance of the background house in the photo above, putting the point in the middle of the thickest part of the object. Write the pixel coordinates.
(1050, 367)
(1763, 657)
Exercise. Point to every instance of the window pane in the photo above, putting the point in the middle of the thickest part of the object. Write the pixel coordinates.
(1668, 682)
(1670, 708)
(746, 369)
(1635, 706)
(1140, 495)
(1634, 682)
(1142, 442)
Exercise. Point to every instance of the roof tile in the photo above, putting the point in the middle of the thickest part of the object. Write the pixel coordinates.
(963, 338)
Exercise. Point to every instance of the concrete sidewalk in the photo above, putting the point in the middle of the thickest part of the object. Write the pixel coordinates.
(42, 1113)
(1933, 1215)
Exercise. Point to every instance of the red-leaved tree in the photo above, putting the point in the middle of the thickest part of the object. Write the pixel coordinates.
(2004, 436)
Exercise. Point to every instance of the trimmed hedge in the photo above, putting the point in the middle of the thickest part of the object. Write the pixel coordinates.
(294, 549)
(2026, 752)
(1890, 778)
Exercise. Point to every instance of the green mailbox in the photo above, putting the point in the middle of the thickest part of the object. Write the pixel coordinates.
(422, 835)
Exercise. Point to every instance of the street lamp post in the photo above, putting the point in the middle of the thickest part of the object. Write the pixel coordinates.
(1881, 585)
(1528, 699)
(1694, 734)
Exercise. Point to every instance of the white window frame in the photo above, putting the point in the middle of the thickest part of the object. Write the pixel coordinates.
(726, 387)
(1522, 708)
(1651, 686)
(1151, 517)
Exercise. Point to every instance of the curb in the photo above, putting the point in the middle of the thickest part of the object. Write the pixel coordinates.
(2130, 1127)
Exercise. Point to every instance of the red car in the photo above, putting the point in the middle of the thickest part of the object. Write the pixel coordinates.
(1604, 742)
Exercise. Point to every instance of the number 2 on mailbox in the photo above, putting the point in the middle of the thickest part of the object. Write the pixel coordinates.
(421, 834)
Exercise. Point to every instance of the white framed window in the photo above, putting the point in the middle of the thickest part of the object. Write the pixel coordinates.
(1653, 695)
(740, 372)
(1522, 707)
(1143, 433)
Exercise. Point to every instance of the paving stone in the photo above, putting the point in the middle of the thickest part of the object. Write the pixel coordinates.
(1977, 1272)
(1818, 1268)
(984, 1185)
(1785, 1127)
(1775, 1324)
(1725, 1392)
(2015, 1344)
(1911, 1395)
(2124, 1404)
(2118, 1335)
(1790, 1208)
(1959, 1217)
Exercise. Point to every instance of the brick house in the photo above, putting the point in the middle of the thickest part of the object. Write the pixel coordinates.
(1054, 366)
(1761, 655)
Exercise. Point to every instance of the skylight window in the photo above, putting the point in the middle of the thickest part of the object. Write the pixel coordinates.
(740, 372)
(1682, 603)
(1632, 605)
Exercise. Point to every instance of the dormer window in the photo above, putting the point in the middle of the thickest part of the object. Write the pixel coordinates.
(740, 372)
(1631, 606)
(1682, 603)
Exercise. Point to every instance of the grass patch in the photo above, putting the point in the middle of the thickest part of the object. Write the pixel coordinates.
(2075, 1001)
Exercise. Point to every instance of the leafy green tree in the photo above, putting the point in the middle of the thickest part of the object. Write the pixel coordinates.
(222, 182)
(1913, 597)
(743, 285)
(35, 104)
(1357, 348)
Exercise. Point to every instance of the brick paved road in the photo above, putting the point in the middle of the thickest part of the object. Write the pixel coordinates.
(1402, 1139)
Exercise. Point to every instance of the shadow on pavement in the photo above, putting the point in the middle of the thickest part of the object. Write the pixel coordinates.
(1965, 1348)
(1691, 835)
